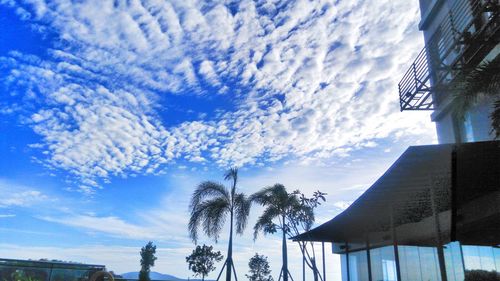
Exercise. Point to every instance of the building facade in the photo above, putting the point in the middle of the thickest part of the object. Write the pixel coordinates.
(433, 216)
(459, 35)
(28, 270)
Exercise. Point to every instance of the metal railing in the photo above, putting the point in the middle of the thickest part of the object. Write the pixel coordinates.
(464, 34)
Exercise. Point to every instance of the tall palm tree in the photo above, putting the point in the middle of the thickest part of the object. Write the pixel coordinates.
(480, 81)
(278, 204)
(211, 202)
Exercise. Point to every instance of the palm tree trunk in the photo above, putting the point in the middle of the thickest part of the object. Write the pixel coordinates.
(229, 261)
(284, 253)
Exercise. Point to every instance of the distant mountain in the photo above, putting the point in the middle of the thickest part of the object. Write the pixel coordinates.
(156, 276)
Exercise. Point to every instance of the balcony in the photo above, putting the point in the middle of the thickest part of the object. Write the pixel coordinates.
(470, 30)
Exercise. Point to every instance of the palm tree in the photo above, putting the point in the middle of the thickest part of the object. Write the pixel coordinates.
(279, 204)
(480, 81)
(211, 202)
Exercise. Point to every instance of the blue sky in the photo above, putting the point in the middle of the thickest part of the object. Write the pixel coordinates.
(112, 111)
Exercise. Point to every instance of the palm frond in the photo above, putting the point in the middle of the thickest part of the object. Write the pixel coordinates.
(495, 119)
(265, 222)
(209, 214)
(231, 174)
(275, 195)
(208, 189)
(242, 210)
(471, 84)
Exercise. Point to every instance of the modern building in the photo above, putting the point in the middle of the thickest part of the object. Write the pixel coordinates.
(433, 216)
(28, 270)
(459, 35)
(435, 213)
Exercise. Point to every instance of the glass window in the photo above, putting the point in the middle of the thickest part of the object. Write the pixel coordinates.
(383, 264)
(343, 267)
(15, 273)
(496, 253)
(69, 275)
(453, 261)
(358, 266)
(418, 263)
(480, 258)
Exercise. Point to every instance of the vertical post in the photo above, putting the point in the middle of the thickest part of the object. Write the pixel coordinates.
(368, 259)
(303, 268)
(347, 261)
(440, 252)
(324, 267)
(395, 245)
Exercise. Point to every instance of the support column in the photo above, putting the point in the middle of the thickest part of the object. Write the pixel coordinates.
(324, 267)
(368, 259)
(440, 252)
(395, 245)
(347, 261)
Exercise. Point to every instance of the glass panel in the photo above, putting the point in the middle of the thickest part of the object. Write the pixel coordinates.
(343, 267)
(480, 258)
(429, 264)
(453, 261)
(496, 253)
(383, 264)
(16, 273)
(418, 263)
(409, 263)
(69, 275)
(358, 266)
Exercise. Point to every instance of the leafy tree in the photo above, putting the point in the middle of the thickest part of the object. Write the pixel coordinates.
(211, 202)
(473, 83)
(259, 269)
(278, 205)
(290, 213)
(148, 259)
(301, 220)
(202, 260)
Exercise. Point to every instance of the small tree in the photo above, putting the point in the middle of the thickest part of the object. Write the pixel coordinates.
(202, 260)
(259, 269)
(147, 261)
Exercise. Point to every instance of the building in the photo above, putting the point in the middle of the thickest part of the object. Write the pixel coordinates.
(28, 270)
(459, 35)
(435, 213)
(433, 216)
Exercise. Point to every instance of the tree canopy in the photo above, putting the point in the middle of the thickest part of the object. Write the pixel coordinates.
(148, 259)
(259, 269)
(202, 260)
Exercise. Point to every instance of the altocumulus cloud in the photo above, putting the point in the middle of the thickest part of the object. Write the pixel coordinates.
(309, 80)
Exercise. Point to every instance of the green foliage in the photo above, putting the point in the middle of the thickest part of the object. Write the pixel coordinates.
(202, 259)
(481, 275)
(22, 276)
(289, 212)
(259, 269)
(211, 203)
(472, 84)
(148, 259)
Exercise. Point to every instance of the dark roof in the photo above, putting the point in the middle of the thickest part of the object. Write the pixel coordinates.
(423, 179)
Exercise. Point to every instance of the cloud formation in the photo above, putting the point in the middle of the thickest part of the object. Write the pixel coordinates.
(308, 80)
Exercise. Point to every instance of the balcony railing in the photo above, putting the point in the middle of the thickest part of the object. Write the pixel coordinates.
(468, 32)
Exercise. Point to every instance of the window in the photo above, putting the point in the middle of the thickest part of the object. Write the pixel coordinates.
(383, 264)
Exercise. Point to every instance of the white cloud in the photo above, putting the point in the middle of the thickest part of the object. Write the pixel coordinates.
(3, 216)
(14, 195)
(310, 80)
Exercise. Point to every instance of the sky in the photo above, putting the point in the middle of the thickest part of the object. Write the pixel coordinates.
(111, 113)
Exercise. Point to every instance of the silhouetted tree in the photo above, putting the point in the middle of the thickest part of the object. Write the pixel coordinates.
(202, 259)
(278, 204)
(211, 202)
(259, 269)
(473, 83)
(148, 259)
